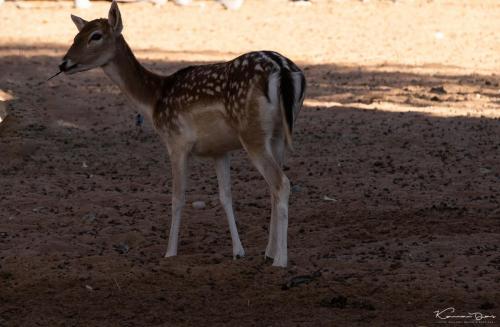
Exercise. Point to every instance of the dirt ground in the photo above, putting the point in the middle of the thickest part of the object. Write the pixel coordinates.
(395, 211)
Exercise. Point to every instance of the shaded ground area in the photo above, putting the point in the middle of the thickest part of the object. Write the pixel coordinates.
(395, 212)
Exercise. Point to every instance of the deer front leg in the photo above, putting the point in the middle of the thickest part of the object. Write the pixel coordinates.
(179, 163)
(222, 166)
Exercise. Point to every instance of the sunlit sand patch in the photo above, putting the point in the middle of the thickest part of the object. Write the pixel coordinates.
(438, 111)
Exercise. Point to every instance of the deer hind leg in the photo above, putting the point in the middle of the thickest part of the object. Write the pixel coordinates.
(222, 166)
(279, 185)
(179, 168)
(278, 149)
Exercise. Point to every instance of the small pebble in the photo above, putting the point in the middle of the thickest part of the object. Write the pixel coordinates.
(438, 90)
(327, 198)
(484, 170)
(439, 35)
(121, 248)
(199, 204)
(90, 216)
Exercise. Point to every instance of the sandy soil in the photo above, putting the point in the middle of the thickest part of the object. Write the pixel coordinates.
(395, 213)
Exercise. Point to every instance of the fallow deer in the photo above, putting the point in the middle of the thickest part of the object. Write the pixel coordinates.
(250, 102)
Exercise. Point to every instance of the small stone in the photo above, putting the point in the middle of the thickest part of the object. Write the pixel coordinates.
(82, 4)
(484, 170)
(199, 204)
(438, 90)
(299, 280)
(121, 248)
(439, 35)
(296, 189)
(327, 198)
(90, 217)
(38, 209)
(159, 2)
(232, 4)
(183, 2)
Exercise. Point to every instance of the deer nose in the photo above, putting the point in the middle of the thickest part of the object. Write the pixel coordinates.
(63, 66)
(66, 64)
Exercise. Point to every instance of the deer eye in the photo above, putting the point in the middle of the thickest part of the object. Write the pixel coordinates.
(95, 37)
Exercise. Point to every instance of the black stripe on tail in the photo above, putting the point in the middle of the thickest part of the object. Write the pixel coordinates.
(293, 86)
(292, 93)
(288, 97)
(292, 90)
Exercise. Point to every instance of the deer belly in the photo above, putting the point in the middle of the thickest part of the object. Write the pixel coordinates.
(214, 136)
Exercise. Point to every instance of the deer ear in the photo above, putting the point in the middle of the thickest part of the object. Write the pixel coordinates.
(115, 18)
(79, 22)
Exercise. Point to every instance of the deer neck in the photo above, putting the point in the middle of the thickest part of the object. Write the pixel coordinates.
(140, 85)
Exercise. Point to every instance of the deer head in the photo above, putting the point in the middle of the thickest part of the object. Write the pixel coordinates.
(95, 44)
